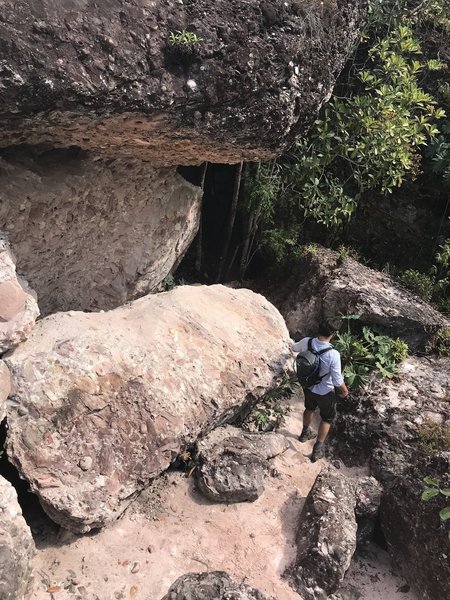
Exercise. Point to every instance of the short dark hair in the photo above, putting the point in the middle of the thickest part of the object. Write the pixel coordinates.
(329, 326)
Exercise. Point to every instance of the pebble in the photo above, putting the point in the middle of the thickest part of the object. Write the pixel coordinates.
(85, 463)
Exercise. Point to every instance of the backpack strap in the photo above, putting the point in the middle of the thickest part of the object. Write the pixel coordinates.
(318, 352)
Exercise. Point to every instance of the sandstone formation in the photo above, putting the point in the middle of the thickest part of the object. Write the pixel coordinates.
(382, 424)
(392, 425)
(105, 401)
(326, 537)
(18, 306)
(92, 234)
(215, 584)
(16, 546)
(417, 539)
(234, 464)
(107, 77)
(330, 285)
(5, 388)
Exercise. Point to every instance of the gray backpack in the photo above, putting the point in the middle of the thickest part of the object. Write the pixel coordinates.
(307, 366)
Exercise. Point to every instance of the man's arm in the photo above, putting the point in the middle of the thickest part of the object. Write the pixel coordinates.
(336, 375)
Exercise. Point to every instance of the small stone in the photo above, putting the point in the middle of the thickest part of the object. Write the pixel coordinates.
(190, 83)
(85, 463)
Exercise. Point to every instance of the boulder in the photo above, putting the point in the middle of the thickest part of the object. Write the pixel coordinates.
(92, 234)
(331, 285)
(326, 536)
(18, 305)
(215, 584)
(17, 548)
(382, 424)
(176, 83)
(5, 388)
(417, 539)
(368, 494)
(104, 402)
(234, 464)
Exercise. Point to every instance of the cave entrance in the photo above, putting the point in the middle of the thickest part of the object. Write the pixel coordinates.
(40, 524)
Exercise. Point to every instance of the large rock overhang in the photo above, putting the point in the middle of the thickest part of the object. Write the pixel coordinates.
(105, 77)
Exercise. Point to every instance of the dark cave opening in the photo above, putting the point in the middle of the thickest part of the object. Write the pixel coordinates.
(38, 521)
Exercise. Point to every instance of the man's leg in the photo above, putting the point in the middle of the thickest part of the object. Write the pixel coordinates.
(328, 413)
(310, 407)
(324, 429)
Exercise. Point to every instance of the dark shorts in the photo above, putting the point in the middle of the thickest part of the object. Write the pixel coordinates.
(326, 404)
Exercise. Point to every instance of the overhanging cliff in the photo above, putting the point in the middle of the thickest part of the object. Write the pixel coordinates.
(115, 78)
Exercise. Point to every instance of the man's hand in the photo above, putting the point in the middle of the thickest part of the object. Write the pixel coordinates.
(343, 390)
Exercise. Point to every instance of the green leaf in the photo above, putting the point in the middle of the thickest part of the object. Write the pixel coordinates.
(430, 481)
(429, 493)
(445, 492)
(445, 513)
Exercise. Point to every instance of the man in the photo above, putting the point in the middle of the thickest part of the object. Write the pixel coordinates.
(322, 394)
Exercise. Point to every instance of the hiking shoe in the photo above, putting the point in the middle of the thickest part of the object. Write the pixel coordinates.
(318, 453)
(307, 434)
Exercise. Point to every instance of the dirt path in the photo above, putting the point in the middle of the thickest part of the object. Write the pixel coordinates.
(173, 530)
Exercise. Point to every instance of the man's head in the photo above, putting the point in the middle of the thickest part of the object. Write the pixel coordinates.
(329, 327)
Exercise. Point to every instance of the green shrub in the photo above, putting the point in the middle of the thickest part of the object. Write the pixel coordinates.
(269, 413)
(184, 38)
(367, 352)
(434, 438)
(419, 283)
(440, 342)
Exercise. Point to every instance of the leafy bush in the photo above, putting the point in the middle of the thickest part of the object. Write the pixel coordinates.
(269, 413)
(419, 283)
(184, 38)
(439, 342)
(434, 489)
(369, 351)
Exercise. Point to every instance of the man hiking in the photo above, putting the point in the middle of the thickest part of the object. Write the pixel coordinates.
(319, 383)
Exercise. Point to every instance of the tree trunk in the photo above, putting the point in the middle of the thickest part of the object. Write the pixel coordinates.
(198, 258)
(231, 219)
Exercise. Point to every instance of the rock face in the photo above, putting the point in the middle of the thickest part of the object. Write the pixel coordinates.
(18, 306)
(330, 285)
(5, 388)
(234, 464)
(106, 76)
(326, 537)
(91, 234)
(104, 402)
(216, 584)
(417, 539)
(16, 546)
(382, 425)
(386, 426)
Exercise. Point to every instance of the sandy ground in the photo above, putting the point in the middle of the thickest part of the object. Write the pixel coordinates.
(172, 530)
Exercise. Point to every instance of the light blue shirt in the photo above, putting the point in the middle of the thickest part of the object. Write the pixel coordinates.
(330, 365)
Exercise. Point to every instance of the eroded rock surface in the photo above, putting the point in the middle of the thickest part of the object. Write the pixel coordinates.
(215, 584)
(16, 546)
(105, 76)
(5, 388)
(234, 464)
(386, 426)
(326, 537)
(91, 234)
(382, 424)
(330, 285)
(18, 305)
(417, 539)
(104, 402)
